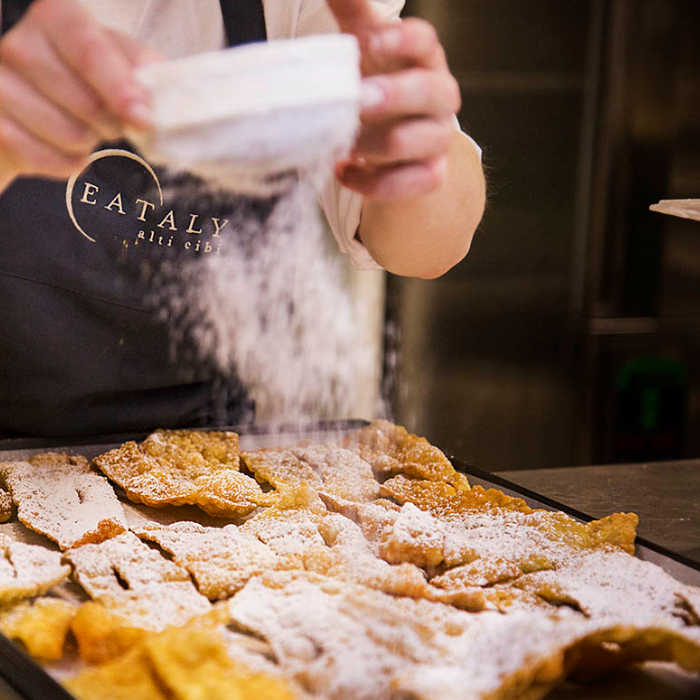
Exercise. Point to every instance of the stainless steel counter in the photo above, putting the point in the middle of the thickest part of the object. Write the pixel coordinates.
(665, 495)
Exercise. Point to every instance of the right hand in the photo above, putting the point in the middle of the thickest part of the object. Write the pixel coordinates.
(66, 83)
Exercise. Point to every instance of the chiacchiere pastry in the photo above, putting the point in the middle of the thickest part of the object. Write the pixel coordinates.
(180, 467)
(326, 468)
(220, 560)
(41, 625)
(59, 496)
(136, 582)
(369, 569)
(28, 570)
(193, 662)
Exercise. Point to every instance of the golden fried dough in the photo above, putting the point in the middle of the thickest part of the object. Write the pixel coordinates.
(5, 506)
(229, 494)
(28, 570)
(443, 500)
(314, 540)
(325, 468)
(391, 449)
(432, 651)
(41, 625)
(123, 562)
(190, 663)
(103, 635)
(220, 560)
(181, 467)
(195, 664)
(136, 583)
(59, 496)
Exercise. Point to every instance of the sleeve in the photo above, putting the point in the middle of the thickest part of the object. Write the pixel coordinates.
(342, 206)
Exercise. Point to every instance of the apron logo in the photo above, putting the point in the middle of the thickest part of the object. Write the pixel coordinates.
(90, 190)
(88, 194)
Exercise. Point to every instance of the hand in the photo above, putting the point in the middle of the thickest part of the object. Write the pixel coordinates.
(409, 101)
(66, 83)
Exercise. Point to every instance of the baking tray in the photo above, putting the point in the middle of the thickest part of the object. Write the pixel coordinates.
(21, 678)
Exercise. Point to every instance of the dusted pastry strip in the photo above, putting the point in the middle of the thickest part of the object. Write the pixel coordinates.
(122, 563)
(59, 496)
(311, 539)
(27, 570)
(181, 467)
(495, 525)
(221, 560)
(136, 583)
(41, 625)
(406, 534)
(391, 449)
(326, 468)
(156, 606)
(341, 640)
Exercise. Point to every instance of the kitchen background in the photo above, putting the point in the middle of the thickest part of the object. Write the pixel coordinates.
(571, 333)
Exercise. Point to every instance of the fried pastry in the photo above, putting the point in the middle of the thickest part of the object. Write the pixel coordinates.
(229, 494)
(611, 584)
(28, 570)
(443, 500)
(221, 560)
(324, 630)
(196, 664)
(181, 467)
(406, 534)
(390, 449)
(311, 539)
(41, 625)
(156, 606)
(136, 583)
(5, 506)
(122, 563)
(59, 496)
(509, 524)
(180, 664)
(325, 468)
(102, 635)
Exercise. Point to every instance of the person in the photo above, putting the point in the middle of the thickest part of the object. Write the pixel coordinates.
(79, 351)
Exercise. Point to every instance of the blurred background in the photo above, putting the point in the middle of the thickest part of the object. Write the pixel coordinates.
(571, 333)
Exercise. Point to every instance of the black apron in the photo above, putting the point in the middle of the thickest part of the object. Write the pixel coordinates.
(81, 350)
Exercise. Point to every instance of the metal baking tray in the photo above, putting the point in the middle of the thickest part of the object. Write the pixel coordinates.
(21, 678)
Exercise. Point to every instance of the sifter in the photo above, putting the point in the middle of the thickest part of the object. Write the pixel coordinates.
(248, 117)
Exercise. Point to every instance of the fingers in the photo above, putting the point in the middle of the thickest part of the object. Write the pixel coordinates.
(412, 92)
(404, 141)
(353, 16)
(410, 43)
(136, 53)
(397, 182)
(20, 102)
(30, 56)
(96, 57)
(20, 152)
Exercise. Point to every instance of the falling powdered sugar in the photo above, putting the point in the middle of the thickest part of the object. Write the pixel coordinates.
(271, 306)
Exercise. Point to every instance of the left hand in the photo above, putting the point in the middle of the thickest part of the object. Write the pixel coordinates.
(409, 101)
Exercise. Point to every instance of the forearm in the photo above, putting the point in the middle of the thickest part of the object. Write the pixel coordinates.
(427, 235)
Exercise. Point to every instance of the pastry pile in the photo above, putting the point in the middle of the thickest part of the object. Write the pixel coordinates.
(367, 568)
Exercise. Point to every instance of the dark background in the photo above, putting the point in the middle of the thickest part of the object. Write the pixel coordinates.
(571, 333)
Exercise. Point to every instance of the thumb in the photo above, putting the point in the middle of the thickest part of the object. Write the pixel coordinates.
(354, 16)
